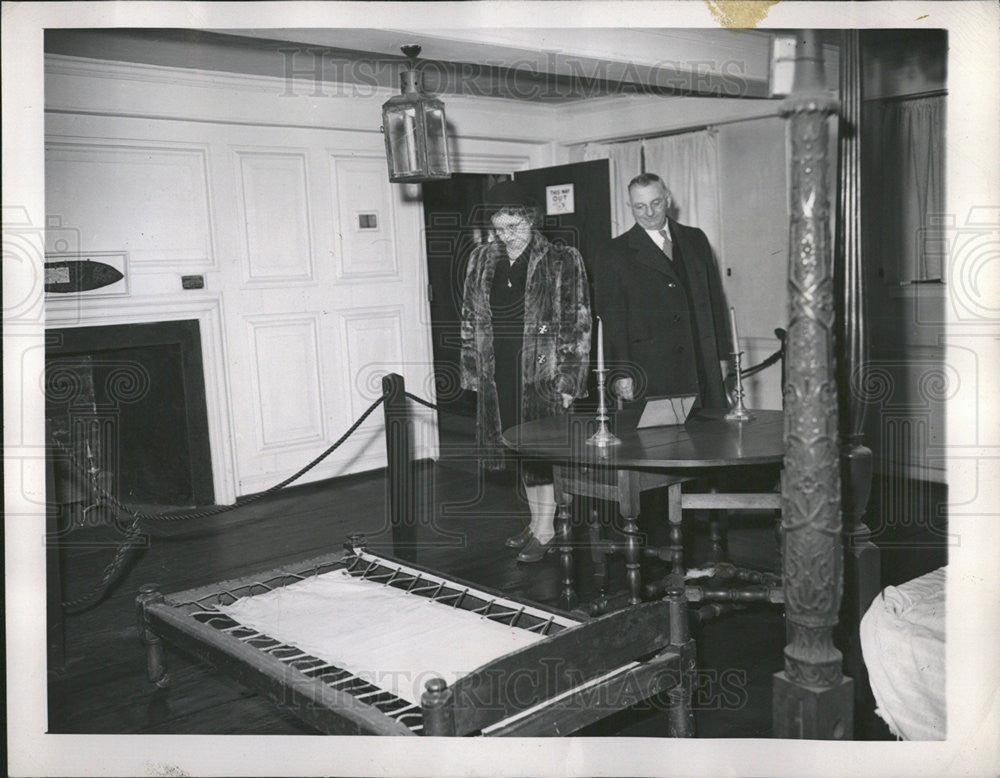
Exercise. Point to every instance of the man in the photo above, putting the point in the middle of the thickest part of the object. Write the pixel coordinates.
(658, 292)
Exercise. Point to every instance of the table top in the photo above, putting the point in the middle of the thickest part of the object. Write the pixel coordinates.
(705, 440)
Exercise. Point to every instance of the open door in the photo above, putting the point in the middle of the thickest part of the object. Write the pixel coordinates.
(575, 203)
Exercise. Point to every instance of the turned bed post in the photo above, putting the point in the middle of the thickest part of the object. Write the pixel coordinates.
(862, 567)
(812, 698)
(681, 715)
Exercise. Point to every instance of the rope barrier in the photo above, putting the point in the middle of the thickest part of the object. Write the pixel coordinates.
(422, 401)
(134, 534)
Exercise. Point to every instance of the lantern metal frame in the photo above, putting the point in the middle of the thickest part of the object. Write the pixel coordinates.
(415, 129)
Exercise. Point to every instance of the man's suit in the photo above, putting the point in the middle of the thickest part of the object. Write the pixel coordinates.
(666, 317)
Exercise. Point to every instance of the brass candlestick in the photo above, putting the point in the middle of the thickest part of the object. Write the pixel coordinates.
(739, 411)
(603, 438)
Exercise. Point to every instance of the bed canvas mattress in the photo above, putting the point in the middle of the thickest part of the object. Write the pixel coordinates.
(381, 634)
(903, 642)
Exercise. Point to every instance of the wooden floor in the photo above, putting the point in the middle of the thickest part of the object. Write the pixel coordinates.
(100, 686)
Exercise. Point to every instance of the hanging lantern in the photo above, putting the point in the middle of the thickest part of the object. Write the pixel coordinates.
(416, 145)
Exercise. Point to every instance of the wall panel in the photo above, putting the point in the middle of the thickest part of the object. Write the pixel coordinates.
(366, 219)
(149, 200)
(287, 382)
(275, 214)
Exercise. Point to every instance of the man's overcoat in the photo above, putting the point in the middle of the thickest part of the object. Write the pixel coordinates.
(665, 325)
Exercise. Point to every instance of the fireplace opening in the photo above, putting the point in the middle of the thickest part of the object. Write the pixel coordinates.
(127, 404)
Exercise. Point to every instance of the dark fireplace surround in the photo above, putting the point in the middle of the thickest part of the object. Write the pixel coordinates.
(129, 401)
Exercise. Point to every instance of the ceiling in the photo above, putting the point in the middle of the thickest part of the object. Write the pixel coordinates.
(542, 65)
(570, 63)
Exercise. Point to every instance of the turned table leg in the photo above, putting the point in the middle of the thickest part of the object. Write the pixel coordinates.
(564, 531)
(675, 517)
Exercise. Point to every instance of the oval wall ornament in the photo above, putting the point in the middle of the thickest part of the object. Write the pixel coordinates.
(65, 275)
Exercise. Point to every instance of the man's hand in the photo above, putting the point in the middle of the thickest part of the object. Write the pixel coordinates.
(567, 399)
(623, 388)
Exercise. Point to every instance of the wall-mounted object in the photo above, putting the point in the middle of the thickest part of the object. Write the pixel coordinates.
(192, 282)
(367, 221)
(416, 141)
(94, 274)
(559, 199)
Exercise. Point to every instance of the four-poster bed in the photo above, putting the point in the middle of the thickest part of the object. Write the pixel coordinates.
(602, 663)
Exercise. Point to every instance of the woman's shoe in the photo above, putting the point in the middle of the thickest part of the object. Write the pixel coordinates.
(535, 550)
(520, 540)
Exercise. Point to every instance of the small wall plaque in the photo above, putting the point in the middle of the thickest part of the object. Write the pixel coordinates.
(94, 274)
(367, 221)
(559, 199)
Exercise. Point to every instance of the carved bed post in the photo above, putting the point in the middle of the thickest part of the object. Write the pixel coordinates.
(399, 468)
(862, 571)
(812, 698)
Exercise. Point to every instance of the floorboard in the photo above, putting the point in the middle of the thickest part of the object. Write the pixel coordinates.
(101, 685)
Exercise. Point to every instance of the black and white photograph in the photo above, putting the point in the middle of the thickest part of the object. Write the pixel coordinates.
(616, 377)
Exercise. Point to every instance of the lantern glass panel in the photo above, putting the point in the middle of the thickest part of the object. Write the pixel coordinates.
(437, 147)
(401, 123)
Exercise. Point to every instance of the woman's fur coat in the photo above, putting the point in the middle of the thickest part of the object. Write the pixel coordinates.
(556, 337)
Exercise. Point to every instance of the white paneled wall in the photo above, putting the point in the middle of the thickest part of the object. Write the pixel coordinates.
(305, 305)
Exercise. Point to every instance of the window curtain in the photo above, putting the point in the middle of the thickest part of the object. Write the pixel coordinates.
(689, 165)
(904, 139)
(626, 164)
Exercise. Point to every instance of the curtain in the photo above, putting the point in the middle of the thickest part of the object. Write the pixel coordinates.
(689, 165)
(626, 164)
(904, 139)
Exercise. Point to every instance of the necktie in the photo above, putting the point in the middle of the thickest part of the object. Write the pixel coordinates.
(666, 243)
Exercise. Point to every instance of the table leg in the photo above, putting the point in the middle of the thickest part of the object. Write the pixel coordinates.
(717, 534)
(598, 554)
(568, 595)
(675, 516)
(633, 554)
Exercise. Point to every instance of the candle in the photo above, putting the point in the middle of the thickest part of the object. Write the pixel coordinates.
(732, 325)
(411, 141)
(600, 344)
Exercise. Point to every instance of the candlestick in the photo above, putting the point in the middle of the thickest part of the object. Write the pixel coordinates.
(600, 344)
(739, 411)
(603, 438)
(732, 327)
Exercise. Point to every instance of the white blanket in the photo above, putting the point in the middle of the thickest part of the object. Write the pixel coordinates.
(902, 639)
(394, 640)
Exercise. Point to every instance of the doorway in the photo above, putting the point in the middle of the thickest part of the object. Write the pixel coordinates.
(453, 227)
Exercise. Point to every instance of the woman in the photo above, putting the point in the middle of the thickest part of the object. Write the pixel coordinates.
(525, 343)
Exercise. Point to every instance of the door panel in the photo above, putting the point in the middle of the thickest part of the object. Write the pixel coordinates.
(588, 227)
(452, 230)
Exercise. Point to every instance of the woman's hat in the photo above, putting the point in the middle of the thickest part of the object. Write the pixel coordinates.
(505, 194)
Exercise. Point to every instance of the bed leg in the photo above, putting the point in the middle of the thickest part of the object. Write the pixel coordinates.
(680, 718)
(156, 666)
(438, 709)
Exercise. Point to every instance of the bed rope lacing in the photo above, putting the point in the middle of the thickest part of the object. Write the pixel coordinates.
(360, 564)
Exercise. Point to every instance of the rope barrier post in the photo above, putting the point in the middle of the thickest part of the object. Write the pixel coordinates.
(399, 468)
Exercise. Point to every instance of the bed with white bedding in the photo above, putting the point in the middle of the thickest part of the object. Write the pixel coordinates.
(903, 642)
